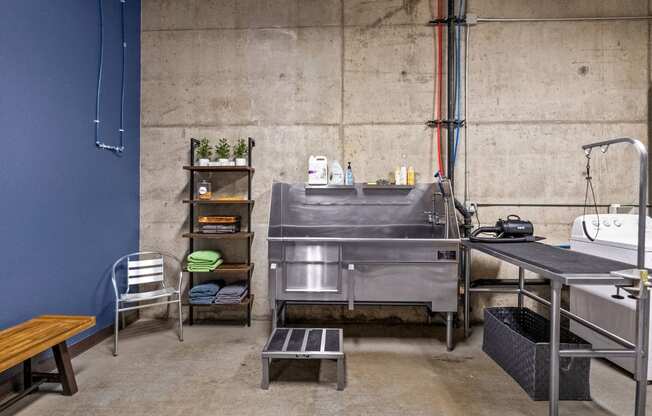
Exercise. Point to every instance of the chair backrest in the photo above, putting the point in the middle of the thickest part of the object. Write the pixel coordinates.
(145, 267)
(145, 271)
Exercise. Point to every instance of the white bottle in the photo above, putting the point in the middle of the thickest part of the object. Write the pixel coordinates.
(403, 171)
(317, 170)
(337, 174)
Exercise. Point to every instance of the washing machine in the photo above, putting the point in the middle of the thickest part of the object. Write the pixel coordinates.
(616, 237)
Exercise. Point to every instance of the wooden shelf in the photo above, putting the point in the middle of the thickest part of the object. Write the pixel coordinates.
(227, 271)
(231, 236)
(246, 301)
(229, 268)
(219, 168)
(219, 201)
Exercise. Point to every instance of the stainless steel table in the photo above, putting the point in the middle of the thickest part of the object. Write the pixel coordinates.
(565, 267)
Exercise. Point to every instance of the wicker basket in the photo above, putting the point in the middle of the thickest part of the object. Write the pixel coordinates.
(518, 340)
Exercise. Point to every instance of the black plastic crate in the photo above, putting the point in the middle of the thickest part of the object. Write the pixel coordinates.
(518, 339)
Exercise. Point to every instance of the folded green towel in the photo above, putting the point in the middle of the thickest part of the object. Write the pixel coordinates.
(192, 267)
(204, 256)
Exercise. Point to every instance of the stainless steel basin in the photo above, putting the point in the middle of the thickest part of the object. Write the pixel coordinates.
(355, 246)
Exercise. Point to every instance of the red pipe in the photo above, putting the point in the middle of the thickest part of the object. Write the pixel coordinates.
(439, 86)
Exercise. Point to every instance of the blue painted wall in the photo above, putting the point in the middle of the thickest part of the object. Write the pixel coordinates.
(67, 209)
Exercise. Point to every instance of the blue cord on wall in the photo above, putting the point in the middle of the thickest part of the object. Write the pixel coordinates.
(98, 142)
(458, 74)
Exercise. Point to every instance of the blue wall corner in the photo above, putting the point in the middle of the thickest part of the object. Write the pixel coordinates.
(68, 209)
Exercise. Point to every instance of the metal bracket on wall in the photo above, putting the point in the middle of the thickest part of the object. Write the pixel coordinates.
(446, 21)
(447, 124)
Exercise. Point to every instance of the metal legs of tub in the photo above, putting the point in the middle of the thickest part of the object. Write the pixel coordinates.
(449, 331)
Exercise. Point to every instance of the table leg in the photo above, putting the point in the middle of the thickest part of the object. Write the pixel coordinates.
(64, 366)
(467, 294)
(642, 342)
(555, 314)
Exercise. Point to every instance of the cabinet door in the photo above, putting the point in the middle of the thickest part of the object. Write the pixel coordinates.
(434, 283)
(312, 277)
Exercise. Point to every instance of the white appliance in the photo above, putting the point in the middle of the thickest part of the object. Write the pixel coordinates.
(616, 237)
(317, 170)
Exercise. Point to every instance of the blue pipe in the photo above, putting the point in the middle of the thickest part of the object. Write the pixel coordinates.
(99, 143)
(458, 75)
(122, 87)
(99, 75)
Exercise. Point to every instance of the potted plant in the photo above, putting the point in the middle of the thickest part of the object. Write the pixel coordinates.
(203, 152)
(223, 150)
(240, 153)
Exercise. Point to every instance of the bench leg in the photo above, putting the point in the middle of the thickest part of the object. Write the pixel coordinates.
(27, 374)
(264, 384)
(341, 373)
(64, 366)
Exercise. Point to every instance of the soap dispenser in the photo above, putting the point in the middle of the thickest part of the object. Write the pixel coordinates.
(349, 175)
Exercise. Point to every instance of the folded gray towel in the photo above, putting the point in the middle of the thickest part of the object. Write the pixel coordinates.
(235, 289)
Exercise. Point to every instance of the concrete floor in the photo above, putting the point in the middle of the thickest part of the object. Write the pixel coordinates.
(392, 370)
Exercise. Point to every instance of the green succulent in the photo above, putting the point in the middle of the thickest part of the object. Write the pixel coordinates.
(203, 150)
(240, 149)
(223, 149)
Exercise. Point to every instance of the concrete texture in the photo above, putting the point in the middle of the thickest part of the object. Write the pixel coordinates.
(392, 370)
(353, 79)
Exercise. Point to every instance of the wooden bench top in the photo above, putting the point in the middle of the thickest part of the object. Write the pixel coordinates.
(30, 338)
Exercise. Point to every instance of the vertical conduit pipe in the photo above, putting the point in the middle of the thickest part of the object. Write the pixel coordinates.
(451, 91)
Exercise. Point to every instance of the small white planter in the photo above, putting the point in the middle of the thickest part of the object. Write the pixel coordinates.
(241, 161)
(214, 163)
(223, 162)
(204, 162)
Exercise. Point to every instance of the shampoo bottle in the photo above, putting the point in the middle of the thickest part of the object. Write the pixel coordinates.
(403, 171)
(337, 174)
(411, 176)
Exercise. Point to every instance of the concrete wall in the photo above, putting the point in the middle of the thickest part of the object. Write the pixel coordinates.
(353, 79)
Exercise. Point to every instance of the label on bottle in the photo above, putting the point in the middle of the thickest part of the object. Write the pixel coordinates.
(202, 190)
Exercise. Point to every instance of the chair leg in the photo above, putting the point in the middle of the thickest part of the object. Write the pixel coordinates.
(180, 320)
(115, 331)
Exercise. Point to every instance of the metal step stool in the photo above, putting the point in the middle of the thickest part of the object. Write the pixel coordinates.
(305, 344)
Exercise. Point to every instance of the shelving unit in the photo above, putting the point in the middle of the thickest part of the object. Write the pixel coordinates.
(245, 236)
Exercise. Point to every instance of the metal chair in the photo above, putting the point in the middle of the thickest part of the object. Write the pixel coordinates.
(145, 268)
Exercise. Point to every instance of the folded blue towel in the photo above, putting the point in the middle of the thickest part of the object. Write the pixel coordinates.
(206, 289)
(206, 300)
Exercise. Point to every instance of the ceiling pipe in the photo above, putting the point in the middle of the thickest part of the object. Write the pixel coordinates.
(559, 19)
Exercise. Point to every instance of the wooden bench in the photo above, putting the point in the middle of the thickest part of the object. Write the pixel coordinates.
(20, 343)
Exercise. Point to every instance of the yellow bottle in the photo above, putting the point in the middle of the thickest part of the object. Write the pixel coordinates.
(410, 176)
